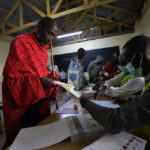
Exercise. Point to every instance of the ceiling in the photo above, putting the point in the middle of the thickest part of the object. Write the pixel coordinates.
(95, 18)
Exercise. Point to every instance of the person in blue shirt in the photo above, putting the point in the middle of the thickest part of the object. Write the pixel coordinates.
(76, 71)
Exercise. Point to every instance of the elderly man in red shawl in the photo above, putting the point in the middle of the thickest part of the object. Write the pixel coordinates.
(27, 85)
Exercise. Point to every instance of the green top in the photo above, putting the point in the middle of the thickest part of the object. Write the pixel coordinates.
(125, 78)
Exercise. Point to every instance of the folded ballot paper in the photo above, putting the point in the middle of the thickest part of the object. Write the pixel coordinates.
(78, 127)
(121, 141)
(69, 88)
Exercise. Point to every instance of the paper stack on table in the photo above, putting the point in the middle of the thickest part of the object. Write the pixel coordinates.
(64, 85)
(84, 127)
(69, 88)
(105, 103)
(121, 141)
(77, 127)
(41, 136)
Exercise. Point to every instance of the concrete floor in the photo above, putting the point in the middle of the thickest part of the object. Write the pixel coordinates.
(61, 100)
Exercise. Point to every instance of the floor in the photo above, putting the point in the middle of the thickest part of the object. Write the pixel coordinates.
(61, 100)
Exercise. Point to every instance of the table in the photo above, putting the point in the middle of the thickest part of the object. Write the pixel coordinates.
(67, 144)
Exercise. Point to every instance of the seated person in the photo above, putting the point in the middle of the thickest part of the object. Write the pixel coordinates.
(95, 67)
(111, 66)
(134, 111)
(124, 83)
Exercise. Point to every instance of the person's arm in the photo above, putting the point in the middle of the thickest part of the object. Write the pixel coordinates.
(47, 82)
(114, 81)
(132, 114)
(132, 86)
(90, 69)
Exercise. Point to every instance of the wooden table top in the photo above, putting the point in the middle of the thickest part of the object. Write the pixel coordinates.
(67, 144)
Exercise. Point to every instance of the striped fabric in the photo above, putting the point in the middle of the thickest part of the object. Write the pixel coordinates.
(25, 65)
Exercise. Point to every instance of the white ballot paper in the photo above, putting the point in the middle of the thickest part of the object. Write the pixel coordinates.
(106, 103)
(84, 127)
(41, 136)
(121, 141)
(88, 90)
(69, 88)
(79, 127)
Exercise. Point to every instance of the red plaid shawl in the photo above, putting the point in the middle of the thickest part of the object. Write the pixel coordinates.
(25, 64)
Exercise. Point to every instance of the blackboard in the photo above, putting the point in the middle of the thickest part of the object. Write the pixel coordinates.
(63, 61)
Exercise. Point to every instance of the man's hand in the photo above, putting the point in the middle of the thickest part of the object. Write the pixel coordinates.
(83, 101)
(56, 78)
(47, 83)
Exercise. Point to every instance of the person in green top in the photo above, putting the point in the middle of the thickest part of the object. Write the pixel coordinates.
(134, 111)
(123, 84)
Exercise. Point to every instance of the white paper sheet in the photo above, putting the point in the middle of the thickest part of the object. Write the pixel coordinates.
(69, 88)
(75, 93)
(64, 85)
(106, 103)
(41, 136)
(119, 141)
(84, 127)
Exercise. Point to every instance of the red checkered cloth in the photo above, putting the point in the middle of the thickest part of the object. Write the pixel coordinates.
(25, 65)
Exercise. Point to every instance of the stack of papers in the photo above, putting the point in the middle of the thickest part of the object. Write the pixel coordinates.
(105, 103)
(64, 85)
(121, 141)
(69, 88)
(41, 136)
(84, 127)
(77, 127)
(88, 91)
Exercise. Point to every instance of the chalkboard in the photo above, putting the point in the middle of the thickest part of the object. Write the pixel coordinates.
(63, 61)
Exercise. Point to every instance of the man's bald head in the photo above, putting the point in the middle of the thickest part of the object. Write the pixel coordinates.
(81, 53)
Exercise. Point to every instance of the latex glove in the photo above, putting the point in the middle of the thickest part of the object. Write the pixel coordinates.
(109, 92)
(83, 101)
(103, 87)
(47, 83)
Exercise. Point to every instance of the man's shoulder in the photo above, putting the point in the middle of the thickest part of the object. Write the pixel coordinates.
(92, 63)
(25, 36)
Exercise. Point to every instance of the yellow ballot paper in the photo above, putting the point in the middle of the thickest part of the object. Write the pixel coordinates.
(69, 88)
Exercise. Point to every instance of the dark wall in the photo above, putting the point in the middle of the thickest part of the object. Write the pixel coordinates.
(62, 61)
